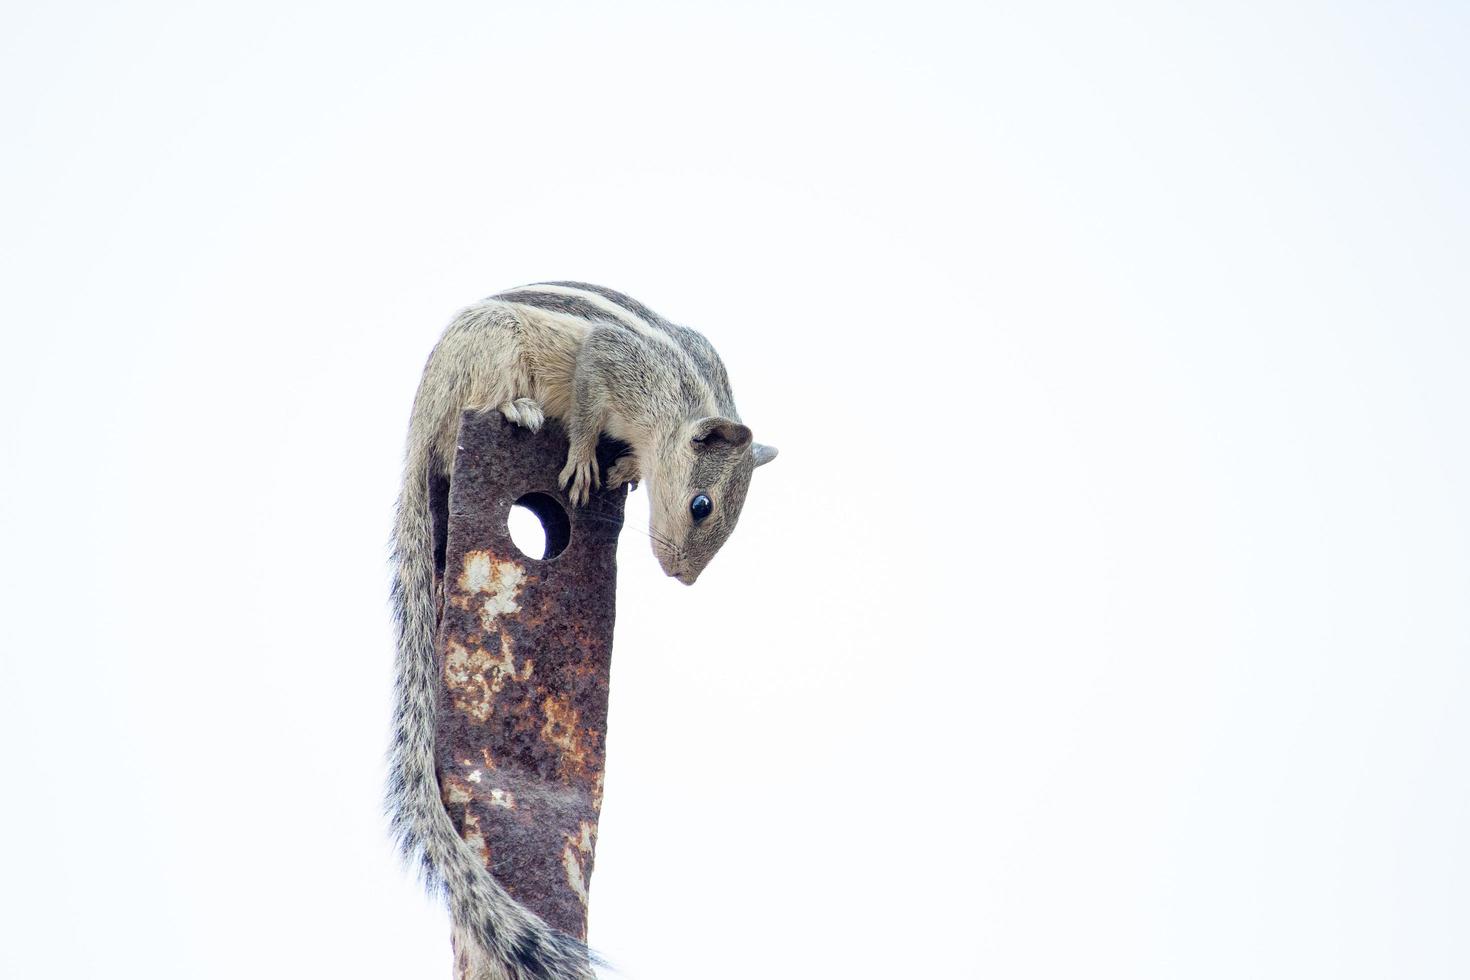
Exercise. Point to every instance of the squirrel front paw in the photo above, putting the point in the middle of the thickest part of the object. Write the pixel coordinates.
(579, 478)
(624, 470)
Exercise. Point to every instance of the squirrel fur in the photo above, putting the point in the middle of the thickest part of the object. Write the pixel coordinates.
(600, 362)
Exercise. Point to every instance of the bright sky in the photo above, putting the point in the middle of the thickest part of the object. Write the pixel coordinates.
(1104, 615)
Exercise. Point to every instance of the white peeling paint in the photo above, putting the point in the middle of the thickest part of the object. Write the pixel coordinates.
(574, 873)
(499, 581)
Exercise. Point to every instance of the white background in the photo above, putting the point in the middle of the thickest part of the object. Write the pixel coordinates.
(1104, 616)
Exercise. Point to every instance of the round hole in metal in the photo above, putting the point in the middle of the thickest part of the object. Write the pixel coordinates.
(539, 526)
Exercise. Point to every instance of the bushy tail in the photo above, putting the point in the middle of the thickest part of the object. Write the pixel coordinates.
(498, 938)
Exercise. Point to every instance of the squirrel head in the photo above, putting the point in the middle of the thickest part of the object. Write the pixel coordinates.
(697, 485)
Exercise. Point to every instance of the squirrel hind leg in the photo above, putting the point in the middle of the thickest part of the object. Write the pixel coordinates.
(526, 412)
(626, 470)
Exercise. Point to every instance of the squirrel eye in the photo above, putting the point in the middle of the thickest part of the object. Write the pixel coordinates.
(700, 507)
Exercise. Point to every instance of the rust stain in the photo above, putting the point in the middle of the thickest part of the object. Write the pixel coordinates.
(562, 729)
(474, 676)
(473, 837)
(455, 790)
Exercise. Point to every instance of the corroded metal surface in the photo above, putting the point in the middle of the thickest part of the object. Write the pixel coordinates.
(525, 648)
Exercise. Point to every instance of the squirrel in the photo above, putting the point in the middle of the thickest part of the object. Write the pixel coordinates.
(602, 363)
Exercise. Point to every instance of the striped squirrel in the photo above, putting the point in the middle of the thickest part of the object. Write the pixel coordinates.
(602, 363)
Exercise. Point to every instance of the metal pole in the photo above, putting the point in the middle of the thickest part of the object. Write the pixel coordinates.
(525, 647)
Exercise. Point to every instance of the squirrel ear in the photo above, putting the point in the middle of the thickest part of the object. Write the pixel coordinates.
(714, 429)
(763, 453)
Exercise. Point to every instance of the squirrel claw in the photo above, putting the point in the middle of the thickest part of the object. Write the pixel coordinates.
(579, 478)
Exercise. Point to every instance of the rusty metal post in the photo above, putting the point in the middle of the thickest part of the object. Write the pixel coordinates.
(525, 647)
